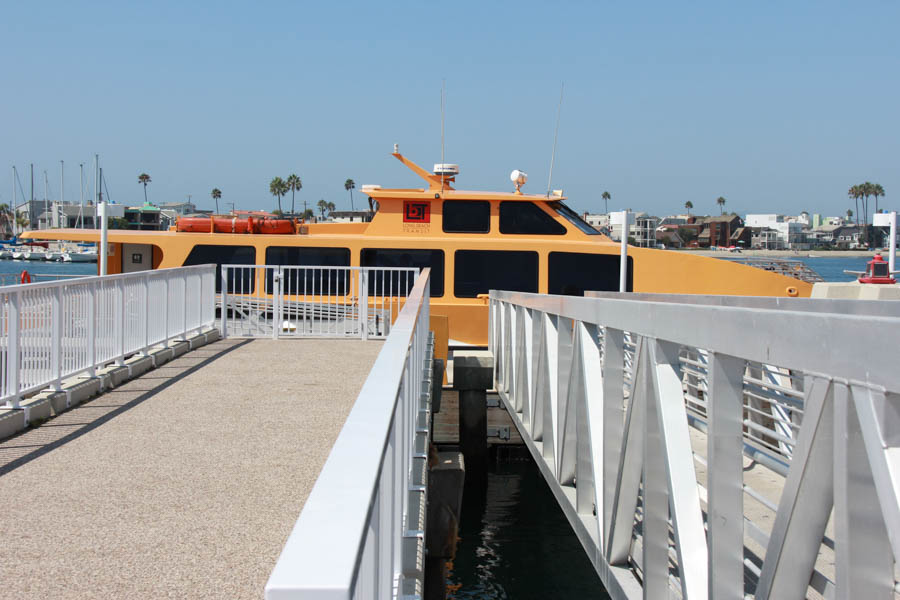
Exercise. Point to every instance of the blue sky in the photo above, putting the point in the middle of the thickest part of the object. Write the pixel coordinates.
(777, 108)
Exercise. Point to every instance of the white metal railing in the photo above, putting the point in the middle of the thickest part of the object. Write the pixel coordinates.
(51, 331)
(604, 391)
(312, 301)
(361, 532)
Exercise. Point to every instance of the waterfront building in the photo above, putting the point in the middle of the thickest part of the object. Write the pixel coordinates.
(762, 220)
(597, 221)
(764, 238)
(144, 218)
(351, 216)
(74, 215)
(846, 237)
(718, 230)
(644, 230)
(179, 208)
(668, 236)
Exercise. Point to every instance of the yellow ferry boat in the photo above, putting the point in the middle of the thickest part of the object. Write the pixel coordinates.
(473, 241)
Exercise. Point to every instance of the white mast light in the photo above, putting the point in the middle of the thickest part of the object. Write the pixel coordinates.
(518, 178)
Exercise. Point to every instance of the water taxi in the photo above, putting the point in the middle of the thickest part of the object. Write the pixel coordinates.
(473, 241)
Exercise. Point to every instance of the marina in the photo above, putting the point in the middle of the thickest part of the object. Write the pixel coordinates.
(323, 301)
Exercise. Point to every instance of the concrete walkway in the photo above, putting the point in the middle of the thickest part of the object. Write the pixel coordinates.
(182, 483)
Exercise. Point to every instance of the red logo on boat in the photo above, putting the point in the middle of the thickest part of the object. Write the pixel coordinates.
(416, 212)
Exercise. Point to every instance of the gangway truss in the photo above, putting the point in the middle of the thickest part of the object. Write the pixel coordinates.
(713, 447)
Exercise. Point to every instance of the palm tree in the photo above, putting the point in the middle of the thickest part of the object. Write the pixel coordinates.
(6, 218)
(331, 207)
(22, 221)
(854, 193)
(606, 198)
(849, 215)
(689, 205)
(216, 194)
(145, 179)
(877, 191)
(349, 185)
(323, 206)
(294, 185)
(278, 188)
(866, 189)
(721, 202)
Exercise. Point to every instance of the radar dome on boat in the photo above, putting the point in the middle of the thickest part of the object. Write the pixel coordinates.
(446, 169)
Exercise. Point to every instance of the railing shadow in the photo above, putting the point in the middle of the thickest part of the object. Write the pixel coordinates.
(86, 425)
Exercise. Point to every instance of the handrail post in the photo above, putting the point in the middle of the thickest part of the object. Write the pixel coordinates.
(184, 305)
(120, 323)
(92, 329)
(56, 338)
(166, 313)
(364, 303)
(199, 301)
(147, 313)
(223, 324)
(276, 301)
(12, 358)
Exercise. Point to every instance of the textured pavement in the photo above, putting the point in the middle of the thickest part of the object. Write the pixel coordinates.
(182, 483)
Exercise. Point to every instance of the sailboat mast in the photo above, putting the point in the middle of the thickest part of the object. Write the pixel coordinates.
(62, 195)
(96, 187)
(104, 230)
(81, 206)
(15, 212)
(46, 201)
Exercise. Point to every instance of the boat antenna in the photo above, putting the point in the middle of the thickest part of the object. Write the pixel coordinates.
(46, 199)
(442, 132)
(555, 135)
(105, 186)
(81, 206)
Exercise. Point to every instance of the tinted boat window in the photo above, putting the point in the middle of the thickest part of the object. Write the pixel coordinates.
(572, 217)
(571, 273)
(244, 282)
(399, 284)
(310, 281)
(527, 218)
(479, 271)
(467, 216)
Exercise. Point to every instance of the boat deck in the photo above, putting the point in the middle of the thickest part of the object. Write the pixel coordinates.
(184, 482)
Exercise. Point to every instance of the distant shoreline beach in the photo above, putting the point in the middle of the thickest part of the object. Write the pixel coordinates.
(784, 253)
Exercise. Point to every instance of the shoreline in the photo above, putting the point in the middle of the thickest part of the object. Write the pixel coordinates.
(787, 254)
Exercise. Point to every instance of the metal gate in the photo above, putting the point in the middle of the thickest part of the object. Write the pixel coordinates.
(311, 301)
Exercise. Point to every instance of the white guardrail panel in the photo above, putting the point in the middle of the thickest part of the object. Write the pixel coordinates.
(605, 390)
(312, 301)
(360, 534)
(55, 330)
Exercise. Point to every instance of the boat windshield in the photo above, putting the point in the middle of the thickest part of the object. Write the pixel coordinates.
(572, 217)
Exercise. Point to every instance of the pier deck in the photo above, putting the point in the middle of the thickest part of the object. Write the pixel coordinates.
(184, 482)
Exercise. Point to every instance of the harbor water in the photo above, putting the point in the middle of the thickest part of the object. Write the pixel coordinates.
(11, 270)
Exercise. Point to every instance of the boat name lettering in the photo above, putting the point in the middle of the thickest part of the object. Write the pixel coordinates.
(422, 228)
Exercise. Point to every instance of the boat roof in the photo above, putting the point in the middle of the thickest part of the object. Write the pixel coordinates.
(451, 194)
(439, 187)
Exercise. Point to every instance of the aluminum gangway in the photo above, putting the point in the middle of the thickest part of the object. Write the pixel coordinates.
(713, 447)
(361, 532)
